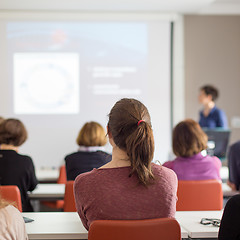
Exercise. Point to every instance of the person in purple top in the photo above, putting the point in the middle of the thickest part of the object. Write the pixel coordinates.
(211, 116)
(189, 142)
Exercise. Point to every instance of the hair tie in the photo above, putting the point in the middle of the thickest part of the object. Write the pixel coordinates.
(139, 122)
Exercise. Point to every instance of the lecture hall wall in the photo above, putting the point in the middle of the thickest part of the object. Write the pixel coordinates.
(212, 55)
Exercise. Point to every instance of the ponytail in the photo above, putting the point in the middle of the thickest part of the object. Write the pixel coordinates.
(130, 126)
(140, 148)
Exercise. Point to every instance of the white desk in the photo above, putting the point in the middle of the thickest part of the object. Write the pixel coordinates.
(52, 174)
(227, 191)
(55, 225)
(224, 173)
(184, 232)
(47, 174)
(60, 225)
(190, 221)
(48, 191)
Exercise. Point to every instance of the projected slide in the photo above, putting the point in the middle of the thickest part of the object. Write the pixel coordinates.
(46, 83)
(57, 75)
(71, 67)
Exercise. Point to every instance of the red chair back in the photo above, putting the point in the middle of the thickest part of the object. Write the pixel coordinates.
(11, 194)
(69, 200)
(148, 229)
(204, 195)
(62, 179)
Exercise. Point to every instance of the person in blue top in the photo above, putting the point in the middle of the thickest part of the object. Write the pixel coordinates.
(211, 116)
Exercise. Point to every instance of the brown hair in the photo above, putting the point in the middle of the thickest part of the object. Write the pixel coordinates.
(12, 132)
(91, 134)
(133, 137)
(188, 138)
(210, 90)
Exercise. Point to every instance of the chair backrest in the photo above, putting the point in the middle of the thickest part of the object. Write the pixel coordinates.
(11, 193)
(62, 179)
(204, 195)
(147, 229)
(69, 200)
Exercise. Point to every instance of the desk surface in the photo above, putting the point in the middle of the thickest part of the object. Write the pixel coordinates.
(47, 174)
(190, 221)
(227, 191)
(48, 191)
(224, 173)
(52, 174)
(55, 225)
(60, 225)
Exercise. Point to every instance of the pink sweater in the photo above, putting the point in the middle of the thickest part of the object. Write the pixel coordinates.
(12, 226)
(109, 193)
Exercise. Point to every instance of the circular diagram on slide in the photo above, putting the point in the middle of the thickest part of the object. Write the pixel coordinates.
(46, 83)
(47, 86)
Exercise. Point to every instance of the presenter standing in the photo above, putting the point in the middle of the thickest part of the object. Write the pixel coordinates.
(211, 116)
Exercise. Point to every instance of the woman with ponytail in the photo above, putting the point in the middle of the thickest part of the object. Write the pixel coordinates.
(130, 186)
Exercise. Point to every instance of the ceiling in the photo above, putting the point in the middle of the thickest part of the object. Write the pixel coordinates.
(165, 6)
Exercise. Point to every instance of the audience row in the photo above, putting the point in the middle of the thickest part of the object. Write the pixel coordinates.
(126, 184)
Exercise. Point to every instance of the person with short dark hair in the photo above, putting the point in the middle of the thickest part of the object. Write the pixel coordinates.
(130, 186)
(211, 116)
(91, 140)
(16, 169)
(230, 222)
(188, 143)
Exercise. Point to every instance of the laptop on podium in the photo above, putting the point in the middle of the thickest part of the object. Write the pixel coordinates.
(218, 140)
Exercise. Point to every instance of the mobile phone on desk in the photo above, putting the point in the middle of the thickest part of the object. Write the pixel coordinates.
(27, 220)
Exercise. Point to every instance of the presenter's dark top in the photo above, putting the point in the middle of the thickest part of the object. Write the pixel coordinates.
(229, 228)
(81, 162)
(216, 118)
(17, 169)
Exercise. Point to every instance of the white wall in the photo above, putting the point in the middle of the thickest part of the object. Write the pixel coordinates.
(212, 56)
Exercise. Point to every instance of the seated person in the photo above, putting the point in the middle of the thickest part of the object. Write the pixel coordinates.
(188, 143)
(16, 169)
(211, 116)
(130, 186)
(12, 226)
(90, 154)
(234, 166)
(229, 227)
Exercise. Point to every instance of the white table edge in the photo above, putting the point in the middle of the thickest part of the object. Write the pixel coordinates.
(35, 236)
